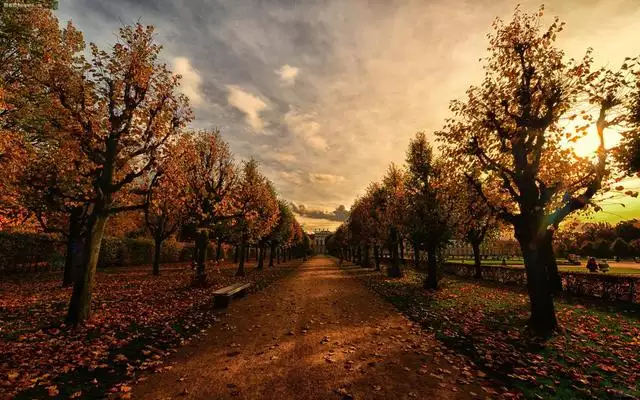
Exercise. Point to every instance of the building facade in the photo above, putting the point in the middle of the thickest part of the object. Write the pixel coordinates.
(319, 241)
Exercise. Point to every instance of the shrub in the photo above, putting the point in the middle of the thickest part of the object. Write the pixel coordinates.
(138, 251)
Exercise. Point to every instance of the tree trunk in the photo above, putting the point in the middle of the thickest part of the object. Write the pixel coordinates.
(201, 256)
(67, 277)
(261, 256)
(80, 304)
(416, 255)
(402, 251)
(73, 258)
(475, 245)
(271, 255)
(431, 281)
(74, 247)
(236, 253)
(549, 261)
(218, 249)
(394, 270)
(243, 253)
(366, 261)
(543, 316)
(376, 255)
(156, 256)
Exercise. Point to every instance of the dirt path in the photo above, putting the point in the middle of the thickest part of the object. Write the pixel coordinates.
(318, 334)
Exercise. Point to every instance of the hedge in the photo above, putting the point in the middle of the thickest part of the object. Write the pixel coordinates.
(31, 252)
(608, 287)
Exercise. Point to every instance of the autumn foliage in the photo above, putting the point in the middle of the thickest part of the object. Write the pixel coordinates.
(505, 155)
(94, 137)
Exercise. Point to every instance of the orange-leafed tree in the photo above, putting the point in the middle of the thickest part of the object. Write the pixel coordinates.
(269, 217)
(257, 209)
(516, 129)
(168, 200)
(363, 227)
(281, 231)
(211, 176)
(121, 109)
(56, 189)
(627, 153)
(392, 204)
(476, 220)
(30, 38)
(431, 203)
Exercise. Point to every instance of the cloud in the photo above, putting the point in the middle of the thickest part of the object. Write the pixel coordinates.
(288, 74)
(249, 104)
(340, 86)
(325, 178)
(285, 157)
(339, 214)
(305, 127)
(191, 80)
(290, 177)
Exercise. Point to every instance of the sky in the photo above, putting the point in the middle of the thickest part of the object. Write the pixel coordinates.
(326, 93)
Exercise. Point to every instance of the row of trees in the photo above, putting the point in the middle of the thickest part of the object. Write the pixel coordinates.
(601, 240)
(425, 203)
(506, 154)
(88, 134)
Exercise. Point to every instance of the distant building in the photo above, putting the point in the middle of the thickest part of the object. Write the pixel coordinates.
(318, 240)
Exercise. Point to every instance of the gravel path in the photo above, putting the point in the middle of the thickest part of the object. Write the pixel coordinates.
(317, 334)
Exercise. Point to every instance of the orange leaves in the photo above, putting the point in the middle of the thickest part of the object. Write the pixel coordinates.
(257, 204)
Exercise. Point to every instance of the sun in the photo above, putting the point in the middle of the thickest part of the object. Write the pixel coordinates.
(587, 145)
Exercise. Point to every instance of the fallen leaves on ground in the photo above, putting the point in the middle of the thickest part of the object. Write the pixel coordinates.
(595, 355)
(138, 320)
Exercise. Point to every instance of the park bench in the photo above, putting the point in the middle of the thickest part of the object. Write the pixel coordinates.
(223, 296)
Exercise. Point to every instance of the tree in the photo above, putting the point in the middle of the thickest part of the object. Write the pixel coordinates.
(627, 153)
(376, 198)
(339, 242)
(59, 195)
(431, 209)
(211, 176)
(362, 227)
(628, 230)
(392, 204)
(257, 209)
(167, 200)
(38, 177)
(511, 129)
(619, 248)
(634, 247)
(121, 109)
(281, 231)
(476, 220)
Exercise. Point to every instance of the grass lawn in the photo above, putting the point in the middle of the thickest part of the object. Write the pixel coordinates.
(595, 356)
(138, 319)
(627, 268)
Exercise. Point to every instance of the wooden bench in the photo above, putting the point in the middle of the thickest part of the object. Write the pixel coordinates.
(223, 296)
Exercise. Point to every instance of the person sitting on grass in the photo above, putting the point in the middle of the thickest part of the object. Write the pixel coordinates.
(592, 265)
(603, 266)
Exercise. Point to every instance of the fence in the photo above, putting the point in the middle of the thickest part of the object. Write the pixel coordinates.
(608, 287)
